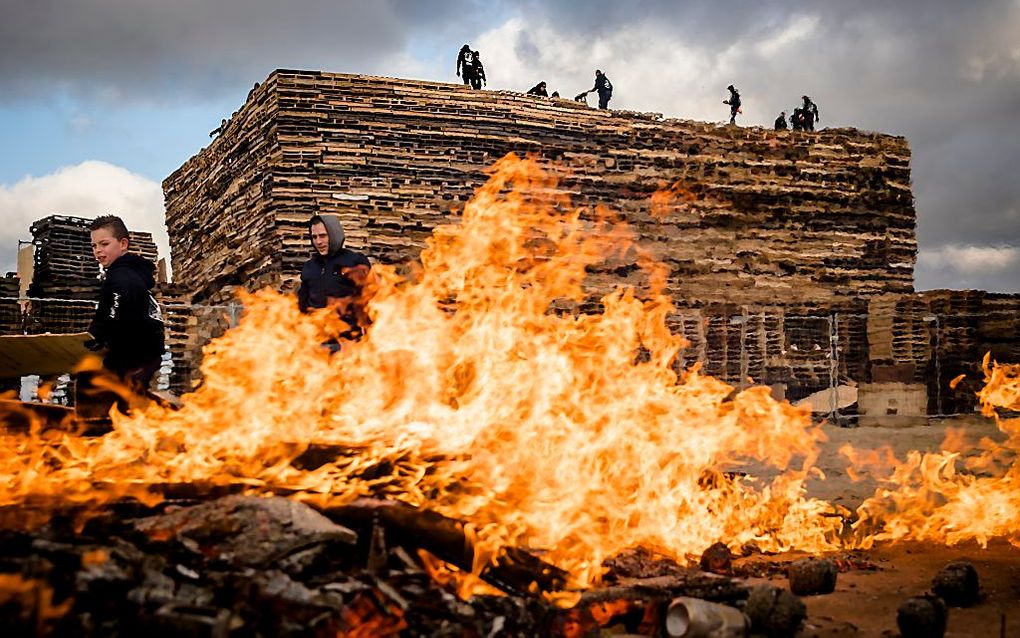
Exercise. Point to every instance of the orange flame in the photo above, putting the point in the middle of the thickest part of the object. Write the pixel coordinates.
(494, 400)
(928, 497)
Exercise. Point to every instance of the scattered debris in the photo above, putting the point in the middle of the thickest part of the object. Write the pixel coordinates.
(957, 584)
(774, 612)
(812, 576)
(696, 618)
(922, 617)
(717, 559)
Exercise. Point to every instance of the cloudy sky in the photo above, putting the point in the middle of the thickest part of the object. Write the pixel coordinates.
(102, 99)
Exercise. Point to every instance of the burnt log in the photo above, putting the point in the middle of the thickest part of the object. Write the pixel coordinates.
(692, 584)
(246, 530)
(514, 570)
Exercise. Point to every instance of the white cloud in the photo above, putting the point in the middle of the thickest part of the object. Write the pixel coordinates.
(970, 260)
(648, 69)
(88, 189)
(993, 66)
(651, 67)
(800, 29)
(991, 53)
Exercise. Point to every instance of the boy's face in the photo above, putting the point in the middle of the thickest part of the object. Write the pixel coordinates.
(106, 248)
(320, 238)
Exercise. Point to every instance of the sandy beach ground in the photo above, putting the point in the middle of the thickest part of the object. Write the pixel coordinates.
(865, 601)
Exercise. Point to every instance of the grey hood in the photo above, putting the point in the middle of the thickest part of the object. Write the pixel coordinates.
(335, 229)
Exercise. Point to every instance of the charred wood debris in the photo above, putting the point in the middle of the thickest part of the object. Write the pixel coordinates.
(271, 566)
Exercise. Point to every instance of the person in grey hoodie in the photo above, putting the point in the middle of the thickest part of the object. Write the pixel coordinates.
(334, 275)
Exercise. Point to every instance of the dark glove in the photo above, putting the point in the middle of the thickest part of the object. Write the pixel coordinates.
(93, 345)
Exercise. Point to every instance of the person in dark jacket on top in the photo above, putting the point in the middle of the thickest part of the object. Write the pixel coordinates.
(335, 275)
(734, 102)
(128, 323)
(465, 70)
(539, 90)
(809, 112)
(477, 71)
(603, 87)
(780, 124)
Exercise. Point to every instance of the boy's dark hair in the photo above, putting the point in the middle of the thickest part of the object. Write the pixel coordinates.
(316, 219)
(114, 223)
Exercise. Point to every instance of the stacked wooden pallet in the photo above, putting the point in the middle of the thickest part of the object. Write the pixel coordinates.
(59, 315)
(788, 345)
(11, 320)
(998, 331)
(806, 221)
(934, 336)
(10, 309)
(395, 158)
(181, 325)
(189, 327)
(62, 248)
(64, 266)
(142, 244)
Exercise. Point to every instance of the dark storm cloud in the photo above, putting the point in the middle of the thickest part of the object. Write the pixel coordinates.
(945, 74)
(156, 50)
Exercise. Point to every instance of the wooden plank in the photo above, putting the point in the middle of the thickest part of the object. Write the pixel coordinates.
(22, 355)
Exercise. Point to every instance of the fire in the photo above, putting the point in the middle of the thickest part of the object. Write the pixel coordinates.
(488, 396)
(928, 497)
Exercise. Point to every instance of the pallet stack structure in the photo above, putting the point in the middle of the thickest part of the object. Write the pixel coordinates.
(189, 327)
(65, 276)
(778, 240)
(10, 309)
(11, 319)
(927, 339)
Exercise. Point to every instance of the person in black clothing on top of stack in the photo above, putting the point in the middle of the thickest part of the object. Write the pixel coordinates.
(809, 113)
(539, 90)
(603, 87)
(128, 323)
(734, 102)
(334, 276)
(477, 71)
(464, 69)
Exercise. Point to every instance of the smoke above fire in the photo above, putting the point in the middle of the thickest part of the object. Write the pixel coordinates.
(492, 387)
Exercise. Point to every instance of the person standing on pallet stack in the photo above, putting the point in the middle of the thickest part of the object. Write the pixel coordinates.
(603, 87)
(334, 277)
(809, 111)
(539, 90)
(128, 323)
(464, 64)
(477, 71)
(734, 102)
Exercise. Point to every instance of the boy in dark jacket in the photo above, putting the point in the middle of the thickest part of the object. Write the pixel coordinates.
(128, 322)
(334, 275)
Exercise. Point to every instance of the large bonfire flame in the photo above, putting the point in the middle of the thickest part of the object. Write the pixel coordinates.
(478, 393)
